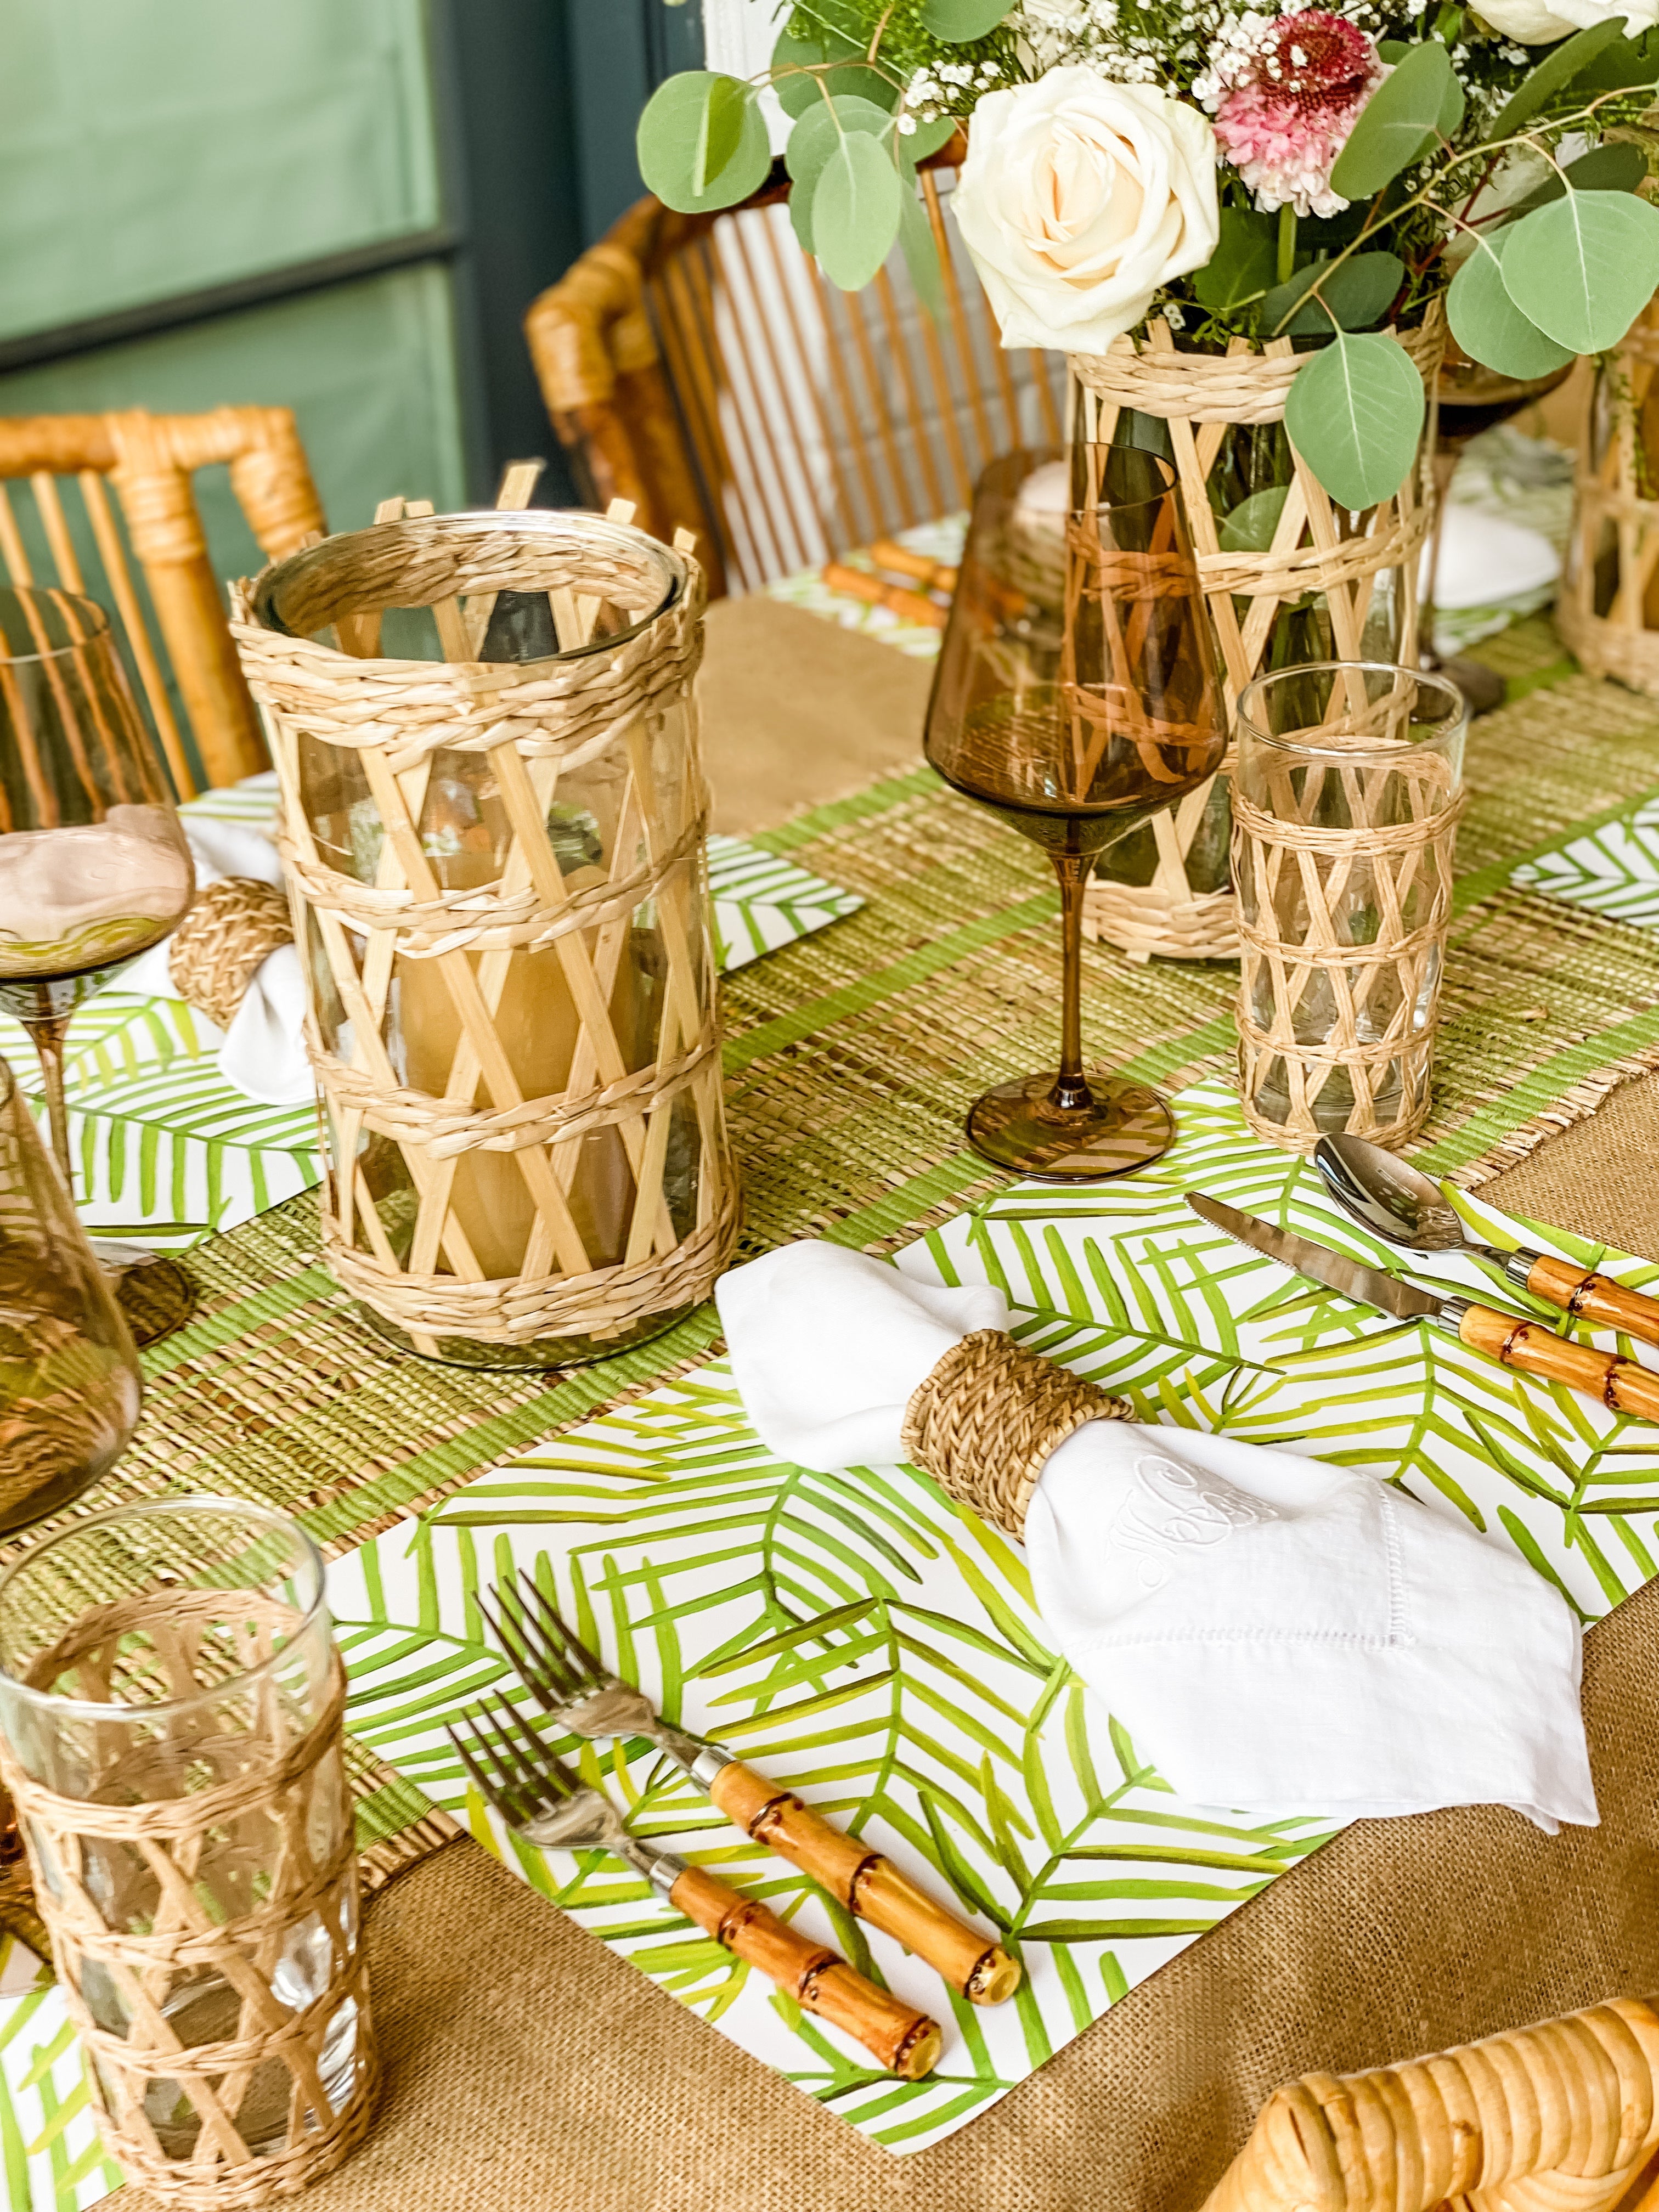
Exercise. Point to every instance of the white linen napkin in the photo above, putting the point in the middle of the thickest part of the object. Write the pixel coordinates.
(1485, 559)
(262, 1052)
(1273, 1630)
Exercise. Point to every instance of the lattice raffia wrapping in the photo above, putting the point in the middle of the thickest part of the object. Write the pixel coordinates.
(1316, 549)
(988, 1417)
(1366, 961)
(1607, 610)
(536, 722)
(219, 946)
(291, 1792)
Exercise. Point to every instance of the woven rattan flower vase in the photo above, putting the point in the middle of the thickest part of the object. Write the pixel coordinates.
(1325, 584)
(497, 866)
(1607, 610)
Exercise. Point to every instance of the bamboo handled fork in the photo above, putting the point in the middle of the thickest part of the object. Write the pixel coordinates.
(554, 1808)
(581, 1692)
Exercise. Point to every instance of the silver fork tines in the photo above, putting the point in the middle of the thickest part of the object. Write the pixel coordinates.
(574, 1686)
(535, 1793)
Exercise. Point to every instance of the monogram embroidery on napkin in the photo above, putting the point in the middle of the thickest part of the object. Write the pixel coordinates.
(1170, 1509)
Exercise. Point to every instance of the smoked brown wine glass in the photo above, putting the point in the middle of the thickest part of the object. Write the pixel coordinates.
(1076, 696)
(94, 867)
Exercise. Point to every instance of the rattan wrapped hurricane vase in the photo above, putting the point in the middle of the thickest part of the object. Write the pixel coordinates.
(1607, 611)
(1287, 576)
(497, 867)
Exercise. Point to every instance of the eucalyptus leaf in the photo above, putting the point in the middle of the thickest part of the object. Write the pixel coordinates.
(1584, 267)
(1241, 267)
(820, 131)
(720, 132)
(921, 252)
(674, 138)
(957, 20)
(1395, 123)
(1488, 324)
(1249, 526)
(1452, 105)
(794, 59)
(1618, 167)
(1559, 67)
(1620, 65)
(857, 205)
(1355, 413)
(813, 140)
(1356, 292)
(927, 137)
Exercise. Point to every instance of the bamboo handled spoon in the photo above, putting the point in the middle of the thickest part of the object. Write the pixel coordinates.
(1397, 1201)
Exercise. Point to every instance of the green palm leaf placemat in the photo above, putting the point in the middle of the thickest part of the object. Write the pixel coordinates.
(866, 1642)
(51, 2158)
(860, 1639)
(1612, 866)
(163, 1144)
(1199, 1330)
(939, 541)
(762, 903)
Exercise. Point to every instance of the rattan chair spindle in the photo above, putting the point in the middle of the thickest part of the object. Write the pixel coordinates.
(1559, 2117)
(150, 460)
(701, 367)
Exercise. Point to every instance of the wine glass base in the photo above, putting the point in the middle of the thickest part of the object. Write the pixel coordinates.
(1483, 687)
(1017, 1126)
(154, 1300)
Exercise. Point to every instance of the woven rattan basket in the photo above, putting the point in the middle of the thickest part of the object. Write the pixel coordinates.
(1316, 548)
(1607, 611)
(498, 876)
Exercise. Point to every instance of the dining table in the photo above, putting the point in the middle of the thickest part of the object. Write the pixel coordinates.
(526, 2063)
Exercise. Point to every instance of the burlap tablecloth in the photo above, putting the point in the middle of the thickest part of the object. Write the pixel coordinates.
(526, 2066)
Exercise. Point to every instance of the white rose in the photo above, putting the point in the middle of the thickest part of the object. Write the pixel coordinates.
(1079, 197)
(1540, 22)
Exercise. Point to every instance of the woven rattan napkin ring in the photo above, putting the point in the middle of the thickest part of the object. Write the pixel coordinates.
(218, 947)
(985, 1420)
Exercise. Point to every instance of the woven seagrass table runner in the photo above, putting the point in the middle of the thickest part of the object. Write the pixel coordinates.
(851, 1055)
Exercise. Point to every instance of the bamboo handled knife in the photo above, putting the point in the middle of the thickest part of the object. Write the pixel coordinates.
(1624, 1385)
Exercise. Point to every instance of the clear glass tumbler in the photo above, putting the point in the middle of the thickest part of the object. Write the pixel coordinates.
(1347, 794)
(170, 1703)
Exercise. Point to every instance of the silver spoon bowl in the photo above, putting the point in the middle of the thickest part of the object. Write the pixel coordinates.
(1397, 1202)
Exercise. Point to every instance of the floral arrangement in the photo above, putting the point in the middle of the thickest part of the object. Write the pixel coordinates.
(1323, 173)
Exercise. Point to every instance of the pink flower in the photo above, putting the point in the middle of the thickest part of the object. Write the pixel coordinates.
(1293, 96)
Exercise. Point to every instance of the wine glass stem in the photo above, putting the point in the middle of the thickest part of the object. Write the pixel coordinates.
(47, 1030)
(1447, 452)
(1071, 1092)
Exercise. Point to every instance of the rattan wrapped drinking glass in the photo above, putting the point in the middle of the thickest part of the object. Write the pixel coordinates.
(170, 1730)
(1347, 794)
(497, 867)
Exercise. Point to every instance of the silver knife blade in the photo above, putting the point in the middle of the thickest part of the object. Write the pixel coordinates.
(1369, 1285)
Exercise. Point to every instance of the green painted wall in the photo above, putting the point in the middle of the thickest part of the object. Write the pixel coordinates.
(368, 367)
(149, 147)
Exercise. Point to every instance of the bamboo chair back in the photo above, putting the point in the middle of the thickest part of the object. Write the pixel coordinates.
(701, 367)
(148, 564)
(1559, 2117)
